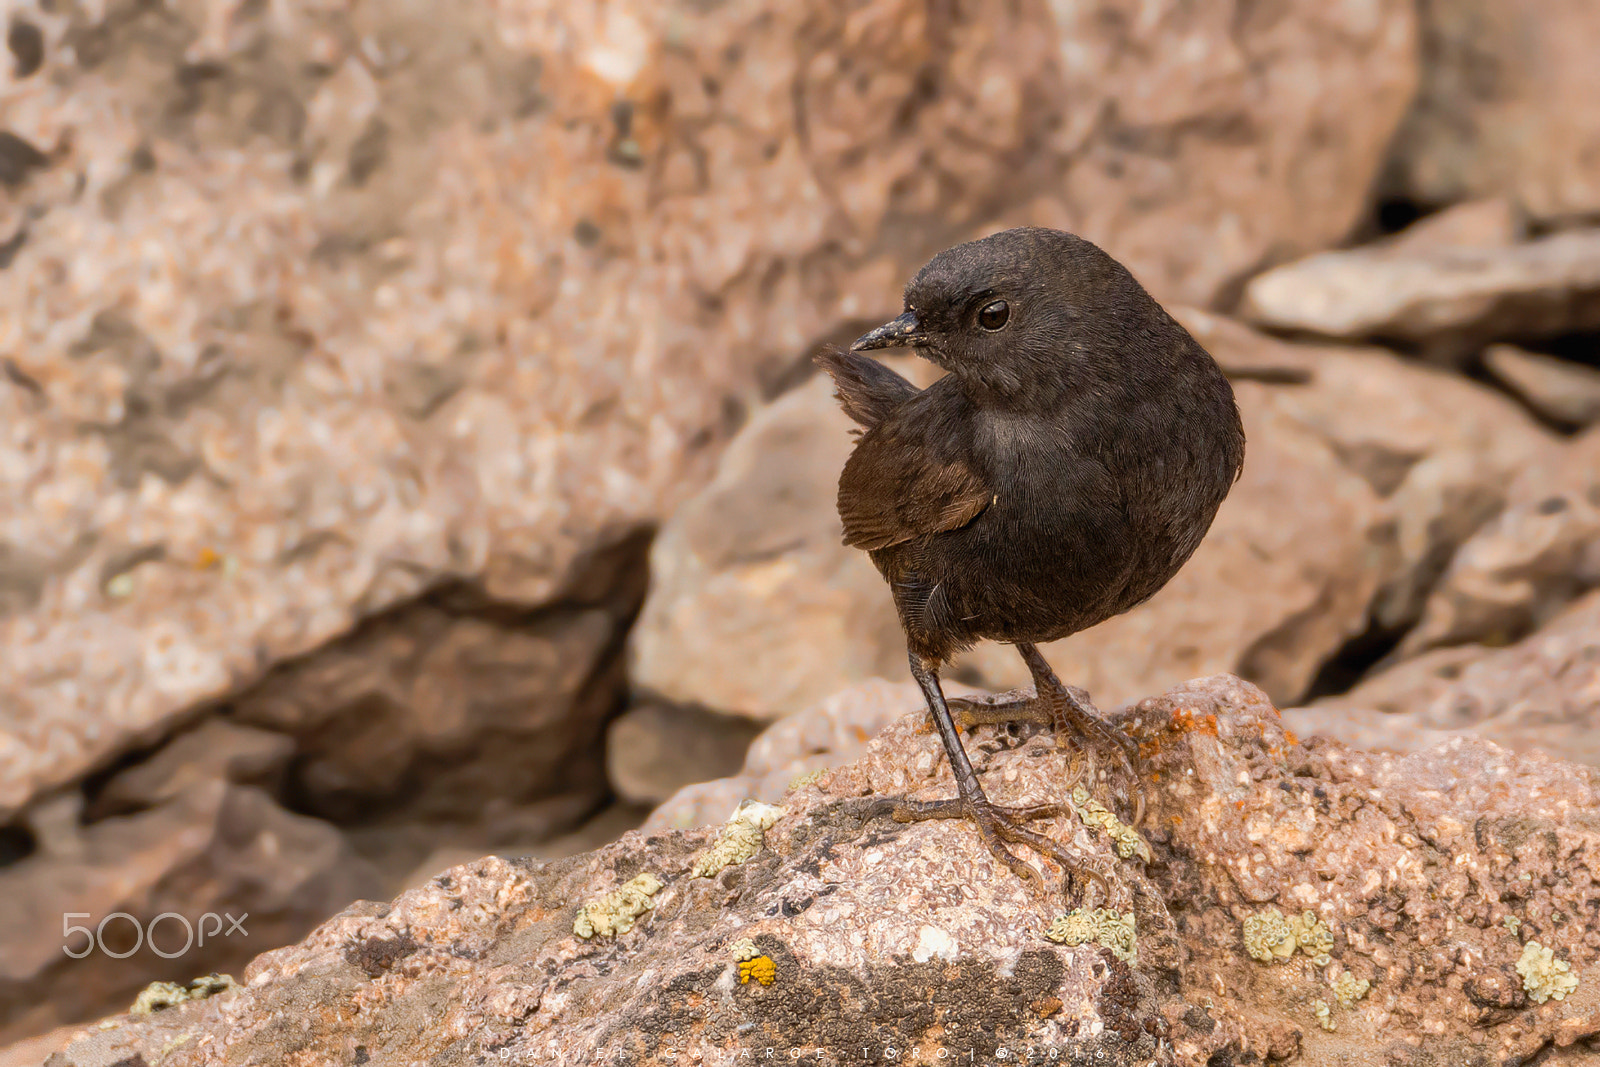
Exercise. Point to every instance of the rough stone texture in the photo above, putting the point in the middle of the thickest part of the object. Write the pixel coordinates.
(1529, 561)
(1565, 392)
(1504, 106)
(1429, 873)
(1363, 472)
(653, 750)
(430, 713)
(215, 847)
(831, 733)
(310, 307)
(1448, 301)
(1541, 694)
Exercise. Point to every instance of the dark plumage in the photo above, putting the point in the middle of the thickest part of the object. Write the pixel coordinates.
(1061, 473)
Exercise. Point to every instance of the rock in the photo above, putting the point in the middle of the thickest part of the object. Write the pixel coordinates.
(1561, 390)
(1410, 894)
(213, 851)
(1541, 694)
(1363, 473)
(1503, 107)
(834, 732)
(1522, 567)
(1447, 301)
(653, 749)
(1492, 223)
(432, 713)
(610, 823)
(752, 588)
(298, 330)
(215, 749)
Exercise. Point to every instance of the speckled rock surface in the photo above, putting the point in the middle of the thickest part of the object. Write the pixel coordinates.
(1447, 301)
(1363, 473)
(312, 306)
(1425, 877)
(1540, 694)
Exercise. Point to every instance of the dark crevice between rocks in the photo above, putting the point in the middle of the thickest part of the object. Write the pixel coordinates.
(1359, 657)
(17, 843)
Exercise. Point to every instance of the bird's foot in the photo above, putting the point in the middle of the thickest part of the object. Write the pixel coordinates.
(1071, 711)
(996, 826)
(1068, 709)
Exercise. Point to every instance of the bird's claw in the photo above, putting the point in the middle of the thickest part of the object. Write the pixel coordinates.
(998, 826)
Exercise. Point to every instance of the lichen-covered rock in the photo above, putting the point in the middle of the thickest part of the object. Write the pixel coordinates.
(845, 933)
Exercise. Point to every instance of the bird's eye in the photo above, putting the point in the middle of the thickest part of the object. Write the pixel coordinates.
(994, 315)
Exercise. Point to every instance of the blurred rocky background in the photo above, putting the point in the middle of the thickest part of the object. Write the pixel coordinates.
(409, 448)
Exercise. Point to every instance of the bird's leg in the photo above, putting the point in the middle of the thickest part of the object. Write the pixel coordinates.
(1069, 708)
(996, 825)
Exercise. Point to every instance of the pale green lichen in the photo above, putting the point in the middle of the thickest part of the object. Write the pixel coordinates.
(740, 838)
(1096, 815)
(1349, 989)
(807, 778)
(158, 996)
(1324, 1015)
(1544, 976)
(615, 912)
(1103, 926)
(744, 949)
(1511, 923)
(1272, 938)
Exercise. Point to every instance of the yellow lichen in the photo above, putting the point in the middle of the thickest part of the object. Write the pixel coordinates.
(615, 912)
(740, 838)
(1096, 815)
(1272, 938)
(160, 995)
(761, 968)
(1544, 976)
(1103, 926)
(744, 949)
(1349, 989)
(1324, 1015)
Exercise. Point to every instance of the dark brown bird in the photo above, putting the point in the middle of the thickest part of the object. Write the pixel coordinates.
(1062, 471)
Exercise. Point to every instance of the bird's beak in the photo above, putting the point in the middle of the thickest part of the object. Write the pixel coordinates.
(904, 332)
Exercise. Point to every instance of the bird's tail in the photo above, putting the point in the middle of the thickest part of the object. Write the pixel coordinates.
(867, 390)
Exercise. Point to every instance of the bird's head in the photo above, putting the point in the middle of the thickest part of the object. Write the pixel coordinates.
(1014, 311)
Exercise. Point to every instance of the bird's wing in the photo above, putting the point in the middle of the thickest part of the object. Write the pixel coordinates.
(868, 391)
(903, 481)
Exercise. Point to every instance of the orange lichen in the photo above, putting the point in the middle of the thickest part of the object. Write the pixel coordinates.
(1184, 720)
(762, 969)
